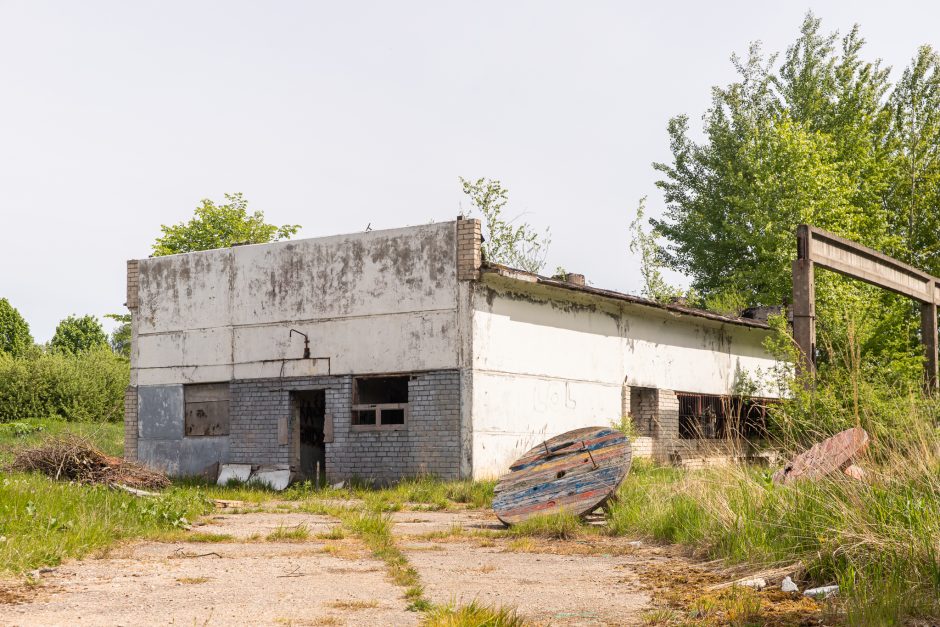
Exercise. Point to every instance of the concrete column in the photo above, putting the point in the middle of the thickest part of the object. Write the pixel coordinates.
(804, 315)
(928, 331)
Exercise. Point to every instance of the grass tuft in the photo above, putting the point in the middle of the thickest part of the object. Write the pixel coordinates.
(283, 533)
(558, 526)
(472, 614)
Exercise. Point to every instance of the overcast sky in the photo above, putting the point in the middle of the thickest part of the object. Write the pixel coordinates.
(117, 117)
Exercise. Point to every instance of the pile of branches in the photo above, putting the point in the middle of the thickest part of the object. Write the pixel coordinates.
(75, 459)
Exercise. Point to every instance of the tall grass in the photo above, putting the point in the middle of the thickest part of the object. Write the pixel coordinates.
(879, 539)
(43, 521)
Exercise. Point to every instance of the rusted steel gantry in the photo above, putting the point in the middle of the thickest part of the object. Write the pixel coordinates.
(816, 247)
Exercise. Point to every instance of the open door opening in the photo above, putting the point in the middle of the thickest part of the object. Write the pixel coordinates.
(309, 411)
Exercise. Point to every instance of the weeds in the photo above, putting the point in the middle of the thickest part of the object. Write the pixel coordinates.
(876, 538)
(472, 614)
(558, 526)
(297, 533)
(44, 521)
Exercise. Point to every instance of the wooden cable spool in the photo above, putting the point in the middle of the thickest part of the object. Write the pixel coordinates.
(577, 472)
(826, 457)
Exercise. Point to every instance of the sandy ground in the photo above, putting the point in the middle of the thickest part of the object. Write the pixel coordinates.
(251, 581)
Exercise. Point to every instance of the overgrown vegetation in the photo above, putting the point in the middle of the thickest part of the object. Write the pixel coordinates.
(84, 387)
(43, 521)
(819, 135)
(507, 241)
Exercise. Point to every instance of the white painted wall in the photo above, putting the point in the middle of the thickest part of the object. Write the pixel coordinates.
(546, 361)
(380, 301)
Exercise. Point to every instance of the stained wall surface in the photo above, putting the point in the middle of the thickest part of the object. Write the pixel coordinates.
(370, 303)
(546, 361)
(380, 301)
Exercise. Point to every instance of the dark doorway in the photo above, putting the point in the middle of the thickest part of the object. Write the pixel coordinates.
(309, 409)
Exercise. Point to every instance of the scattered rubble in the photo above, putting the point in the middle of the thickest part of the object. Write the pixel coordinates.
(274, 477)
(756, 584)
(823, 592)
(75, 459)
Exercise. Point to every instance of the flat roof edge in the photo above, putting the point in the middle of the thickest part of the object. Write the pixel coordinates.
(524, 276)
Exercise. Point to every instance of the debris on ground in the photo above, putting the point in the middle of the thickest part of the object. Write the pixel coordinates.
(274, 477)
(826, 457)
(823, 592)
(755, 584)
(228, 503)
(764, 578)
(856, 472)
(75, 459)
(787, 585)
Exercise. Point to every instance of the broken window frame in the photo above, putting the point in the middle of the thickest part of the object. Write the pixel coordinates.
(378, 408)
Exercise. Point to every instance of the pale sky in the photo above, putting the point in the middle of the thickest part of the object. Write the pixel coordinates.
(117, 117)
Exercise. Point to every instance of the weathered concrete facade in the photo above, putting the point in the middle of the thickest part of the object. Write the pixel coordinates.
(423, 359)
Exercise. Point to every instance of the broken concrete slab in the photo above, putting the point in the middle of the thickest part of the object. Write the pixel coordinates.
(238, 472)
(276, 478)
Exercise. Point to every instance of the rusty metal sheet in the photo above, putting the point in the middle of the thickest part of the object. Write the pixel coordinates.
(575, 472)
(826, 457)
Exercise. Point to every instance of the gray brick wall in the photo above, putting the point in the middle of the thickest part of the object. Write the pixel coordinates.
(130, 423)
(429, 443)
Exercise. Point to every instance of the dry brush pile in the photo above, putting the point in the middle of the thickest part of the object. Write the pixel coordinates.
(73, 458)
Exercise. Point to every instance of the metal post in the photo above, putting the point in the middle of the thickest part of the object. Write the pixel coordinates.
(318, 474)
(928, 332)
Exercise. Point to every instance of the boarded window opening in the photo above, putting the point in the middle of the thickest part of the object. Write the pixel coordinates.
(206, 410)
(380, 402)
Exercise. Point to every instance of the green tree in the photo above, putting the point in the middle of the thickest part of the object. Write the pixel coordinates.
(820, 138)
(15, 338)
(220, 226)
(643, 243)
(75, 335)
(507, 241)
(120, 339)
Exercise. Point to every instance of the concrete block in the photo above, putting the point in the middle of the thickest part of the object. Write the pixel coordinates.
(227, 472)
(276, 478)
(160, 412)
(162, 455)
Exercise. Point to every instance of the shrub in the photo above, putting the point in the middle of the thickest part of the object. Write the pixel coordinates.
(88, 387)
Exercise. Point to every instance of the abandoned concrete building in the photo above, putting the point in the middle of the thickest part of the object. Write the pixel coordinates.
(394, 353)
